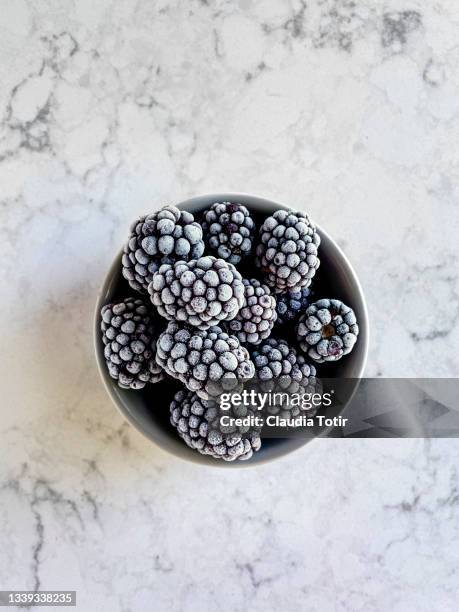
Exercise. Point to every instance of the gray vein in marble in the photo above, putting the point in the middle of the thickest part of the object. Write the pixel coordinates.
(397, 26)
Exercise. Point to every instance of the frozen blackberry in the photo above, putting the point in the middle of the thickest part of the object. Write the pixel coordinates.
(292, 304)
(197, 423)
(229, 230)
(201, 292)
(207, 362)
(254, 322)
(130, 337)
(165, 236)
(278, 366)
(287, 251)
(327, 330)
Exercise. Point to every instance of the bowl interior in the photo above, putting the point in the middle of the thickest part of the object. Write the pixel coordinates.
(148, 409)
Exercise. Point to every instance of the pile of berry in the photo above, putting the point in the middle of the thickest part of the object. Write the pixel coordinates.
(196, 319)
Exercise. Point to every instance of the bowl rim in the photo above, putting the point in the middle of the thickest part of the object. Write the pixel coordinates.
(103, 288)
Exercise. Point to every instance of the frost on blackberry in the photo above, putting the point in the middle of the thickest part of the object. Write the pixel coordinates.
(254, 322)
(327, 330)
(165, 236)
(201, 292)
(205, 361)
(287, 250)
(292, 304)
(229, 231)
(279, 366)
(198, 424)
(129, 336)
(284, 373)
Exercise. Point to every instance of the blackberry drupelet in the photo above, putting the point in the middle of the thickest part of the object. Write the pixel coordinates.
(197, 423)
(165, 236)
(129, 335)
(255, 320)
(200, 292)
(287, 251)
(328, 330)
(229, 230)
(205, 361)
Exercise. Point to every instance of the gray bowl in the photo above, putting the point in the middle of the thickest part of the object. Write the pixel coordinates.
(148, 410)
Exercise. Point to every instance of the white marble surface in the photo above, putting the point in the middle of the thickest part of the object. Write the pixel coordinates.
(110, 108)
